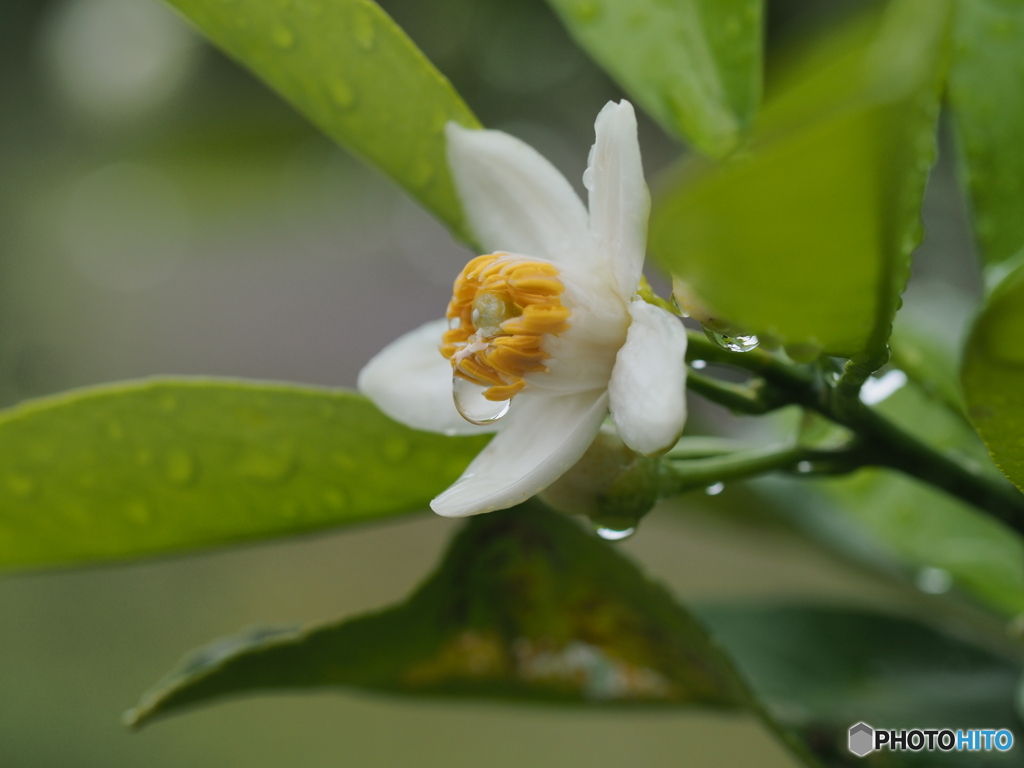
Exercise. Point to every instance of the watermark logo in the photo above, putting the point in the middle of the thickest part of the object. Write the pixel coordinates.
(864, 739)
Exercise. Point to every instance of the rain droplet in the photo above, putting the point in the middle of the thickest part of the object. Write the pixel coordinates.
(282, 36)
(264, 467)
(698, 365)
(675, 303)
(715, 489)
(396, 449)
(934, 581)
(588, 178)
(362, 29)
(138, 511)
(614, 534)
(421, 173)
(474, 407)
(803, 353)
(586, 10)
(734, 343)
(20, 485)
(342, 93)
(180, 467)
(804, 466)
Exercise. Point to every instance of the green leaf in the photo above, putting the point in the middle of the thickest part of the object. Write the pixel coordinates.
(807, 236)
(993, 375)
(694, 65)
(354, 74)
(821, 670)
(170, 465)
(986, 80)
(525, 607)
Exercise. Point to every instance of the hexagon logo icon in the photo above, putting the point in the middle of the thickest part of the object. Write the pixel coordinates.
(862, 737)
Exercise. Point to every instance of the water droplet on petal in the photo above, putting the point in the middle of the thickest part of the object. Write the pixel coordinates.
(588, 178)
(715, 489)
(614, 534)
(473, 406)
(734, 343)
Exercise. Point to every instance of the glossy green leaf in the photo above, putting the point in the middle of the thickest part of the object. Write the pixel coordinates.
(525, 607)
(807, 236)
(993, 375)
(170, 465)
(354, 74)
(821, 670)
(694, 65)
(986, 81)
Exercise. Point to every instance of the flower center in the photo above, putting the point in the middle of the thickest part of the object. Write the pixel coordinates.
(501, 308)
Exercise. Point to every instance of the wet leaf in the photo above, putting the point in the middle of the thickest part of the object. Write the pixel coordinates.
(821, 670)
(807, 236)
(694, 65)
(170, 465)
(354, 74)
(525, 607)
(986, 80)
(993, 375)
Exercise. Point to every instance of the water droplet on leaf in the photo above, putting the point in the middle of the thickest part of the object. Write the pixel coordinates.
(585, 11)
(363, 30)
(342, 93)
(934, 581)
(20, 485)
(614, 534)
(281, 36)
(180, 467)
(715, 489)
(733, 342)
(264, 467)
(473, 406)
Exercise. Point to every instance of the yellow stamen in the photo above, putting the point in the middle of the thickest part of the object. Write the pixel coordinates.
(499, 312)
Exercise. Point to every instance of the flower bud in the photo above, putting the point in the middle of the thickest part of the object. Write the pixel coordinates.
(610, 484)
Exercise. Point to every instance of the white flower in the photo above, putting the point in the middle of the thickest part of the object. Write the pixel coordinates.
(549, 319)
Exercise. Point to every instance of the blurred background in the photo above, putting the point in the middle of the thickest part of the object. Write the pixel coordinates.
(161, 212)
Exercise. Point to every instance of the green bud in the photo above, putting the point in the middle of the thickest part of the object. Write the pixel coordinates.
(610, 484)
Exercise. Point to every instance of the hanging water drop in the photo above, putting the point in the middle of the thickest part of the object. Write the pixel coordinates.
(715, 489)
(614, 534)
(473, 406)
(732, 342)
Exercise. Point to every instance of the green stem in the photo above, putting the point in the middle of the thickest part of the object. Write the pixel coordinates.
(680, 476)
(879, 441)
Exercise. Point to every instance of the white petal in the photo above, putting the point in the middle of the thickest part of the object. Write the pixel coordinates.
(514, 199)
(619, 201)
(648, 386)
(411, 381)
(544, 437)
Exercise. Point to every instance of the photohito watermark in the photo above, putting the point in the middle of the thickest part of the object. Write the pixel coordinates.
(864, 739)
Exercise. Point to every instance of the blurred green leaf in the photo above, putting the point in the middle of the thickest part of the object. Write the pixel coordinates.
(526, 606)
(807, 236)
(694, 65)
(986, 80)
(169, 465)
(821, 670)
(355, 74)
(993, 375)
